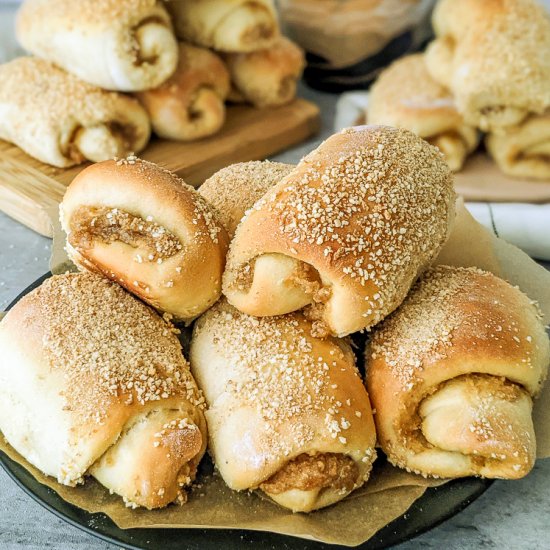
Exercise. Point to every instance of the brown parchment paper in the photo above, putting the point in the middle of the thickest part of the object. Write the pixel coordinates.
(481, 180)
(390, 491)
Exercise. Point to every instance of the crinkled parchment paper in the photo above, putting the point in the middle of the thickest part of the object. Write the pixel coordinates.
(389, 492)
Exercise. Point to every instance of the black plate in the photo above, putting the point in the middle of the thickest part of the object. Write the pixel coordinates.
(435, 506)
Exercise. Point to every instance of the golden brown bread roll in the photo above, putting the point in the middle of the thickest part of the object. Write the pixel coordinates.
(124, 45)
(191, 103)
(268, 77)
(144, 227)
(452, 374)
(93, 382)
(346, 233)
(406, 96)
(226, 25)
(235, 188)
(58, 119)
(493, 56)
(523, 150)
(287, 412)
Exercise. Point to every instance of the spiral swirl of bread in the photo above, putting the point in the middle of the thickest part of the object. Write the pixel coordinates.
(452, 375)
(145, 228)
(287, 412)
(523, 150)
(93, 382)
(267, 77)
(226, 25)
(61, 120)
(346, 233)
(191, 103)
(124, 45)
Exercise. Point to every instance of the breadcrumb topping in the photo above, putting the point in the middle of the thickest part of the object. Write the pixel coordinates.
(207, 227)
(273, 368)
(109, 346)
(235, 189)
(499, 56)
(102, 12)
(444, 301)
(48, 95)
(371, 211)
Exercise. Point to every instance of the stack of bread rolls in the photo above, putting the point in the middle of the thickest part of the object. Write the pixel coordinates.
(487, 72)
(305, 256)
(104, 73)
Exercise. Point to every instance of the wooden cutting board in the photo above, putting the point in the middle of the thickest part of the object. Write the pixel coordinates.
(30, 191)
(481, 180)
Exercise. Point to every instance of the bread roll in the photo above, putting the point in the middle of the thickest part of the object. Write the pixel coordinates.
(190, 104)
(287, 413)
(226, 25)
(494, 57)
(406, 96)
(523, 150)
(60, 120)
(92, 381)
(346, 233)
(267, 78)
(142, 226)
(235, 189)
(124, 45)
(452, 374)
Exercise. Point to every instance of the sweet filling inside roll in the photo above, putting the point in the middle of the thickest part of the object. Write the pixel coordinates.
(255, 21)
(107, 225)
(314, 473)
(292, 284)
(99, 142)
(485, 417)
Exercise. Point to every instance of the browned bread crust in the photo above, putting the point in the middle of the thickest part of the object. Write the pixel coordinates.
(452, 374)
(523, 150)
(94, 382)
(124, 45)
(267, 77)
(235, 188)
(348, 230)
(144, 227)
(61, 120)
(226, 25)
(276, 396)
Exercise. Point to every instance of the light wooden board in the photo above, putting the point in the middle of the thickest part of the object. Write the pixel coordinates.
(30, 189)
(481, 180)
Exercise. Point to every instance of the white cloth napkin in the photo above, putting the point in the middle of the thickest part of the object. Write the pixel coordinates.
(525, 225)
